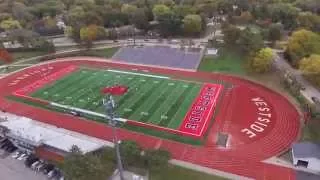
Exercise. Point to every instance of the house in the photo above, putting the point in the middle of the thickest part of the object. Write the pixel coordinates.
(306, 154)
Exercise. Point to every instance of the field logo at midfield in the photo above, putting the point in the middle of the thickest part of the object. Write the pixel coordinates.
(200, 113)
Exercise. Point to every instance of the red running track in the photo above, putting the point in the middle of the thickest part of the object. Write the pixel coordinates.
(250, 106)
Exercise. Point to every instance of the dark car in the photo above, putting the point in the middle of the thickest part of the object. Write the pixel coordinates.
(48, 168)
(12, 149)
(5, 144)
(30, 160)
(315, 100)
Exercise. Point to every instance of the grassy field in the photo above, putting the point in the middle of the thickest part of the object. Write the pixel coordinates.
(159, 101)
(24, 55)
(179, 173)
(226, 63)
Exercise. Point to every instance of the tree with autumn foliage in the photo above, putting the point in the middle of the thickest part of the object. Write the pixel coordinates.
(310, 68)
(88, 34)
(5, 56)
(262, 61)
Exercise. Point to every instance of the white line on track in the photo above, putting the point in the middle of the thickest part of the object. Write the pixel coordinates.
(139, 74)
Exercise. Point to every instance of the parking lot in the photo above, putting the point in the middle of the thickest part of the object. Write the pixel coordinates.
(17, 164)
(13, 169)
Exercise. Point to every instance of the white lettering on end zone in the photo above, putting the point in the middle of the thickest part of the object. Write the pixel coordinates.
(263, 120)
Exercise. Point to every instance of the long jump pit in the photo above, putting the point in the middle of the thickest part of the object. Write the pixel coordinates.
(180, 111)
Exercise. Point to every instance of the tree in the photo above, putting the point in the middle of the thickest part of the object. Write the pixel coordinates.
(262, 61)
(192, 24)
(130, 152)
(244, 18)
(10, 24)
(275, 32)
(230, 35)
(140, 19)
(285, 13)
(310, 67)
(68, 3)
(301, 44)
(128, 9)
(89, 34)
(84, 167)
(5, 56)
(250, 41)
(160, 10)
(309, 21)
(169, 24)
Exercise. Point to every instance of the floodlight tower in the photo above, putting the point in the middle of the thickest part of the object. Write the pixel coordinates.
(110, 106)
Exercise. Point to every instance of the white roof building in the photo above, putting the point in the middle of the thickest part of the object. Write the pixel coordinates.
(40, 134)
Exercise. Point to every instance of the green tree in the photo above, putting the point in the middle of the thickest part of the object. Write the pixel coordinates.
(275, 32)
(169, 24)
(160, 10)
(68, 3)
(130, 152)
(10, 24)
(285, 13)
(230, 35)
(309, 21)
(192, 24)
(128, 9)
(140, 19)
(250, 41)
(310, 67)
(84, 167)
(301, 44)
(262, 61)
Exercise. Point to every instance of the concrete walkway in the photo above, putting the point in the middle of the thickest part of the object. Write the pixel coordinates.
(207, 170)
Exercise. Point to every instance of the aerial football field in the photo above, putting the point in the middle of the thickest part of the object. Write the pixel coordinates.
(152, 101)
(209, 119)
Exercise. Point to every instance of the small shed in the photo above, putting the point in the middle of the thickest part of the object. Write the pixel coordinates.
(212, 51)
(306, 154)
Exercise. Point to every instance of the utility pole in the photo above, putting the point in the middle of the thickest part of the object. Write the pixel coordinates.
(110, 106)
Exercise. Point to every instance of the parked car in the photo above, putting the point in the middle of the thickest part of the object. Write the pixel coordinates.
(22, 156)
(30, 160)
(16, 154)
(48, 168)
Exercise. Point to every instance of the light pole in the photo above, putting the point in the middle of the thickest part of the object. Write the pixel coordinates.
(110, 106)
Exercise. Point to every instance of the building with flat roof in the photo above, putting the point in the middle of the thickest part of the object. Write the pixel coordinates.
(45, 139)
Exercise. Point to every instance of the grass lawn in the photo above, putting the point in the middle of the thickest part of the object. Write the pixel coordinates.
(179, 173)
(311, 131)
(24, 55)
(106, 53)
(226, 63)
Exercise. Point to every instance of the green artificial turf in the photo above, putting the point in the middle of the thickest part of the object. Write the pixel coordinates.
(163, 102)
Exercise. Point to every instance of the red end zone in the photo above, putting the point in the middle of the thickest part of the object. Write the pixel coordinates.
(197, 119)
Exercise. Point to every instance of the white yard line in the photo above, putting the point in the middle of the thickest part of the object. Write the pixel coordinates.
(84, 111)
(139, 74)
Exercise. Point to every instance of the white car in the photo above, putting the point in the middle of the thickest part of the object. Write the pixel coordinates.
(33, 166)
(22, 156)
(51, 173)
(16, 154)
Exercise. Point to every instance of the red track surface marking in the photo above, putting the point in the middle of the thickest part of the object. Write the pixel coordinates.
(242, 157)
(197, 118)
(46, 80)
